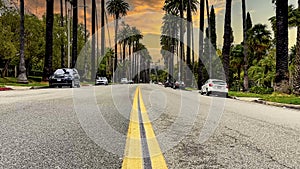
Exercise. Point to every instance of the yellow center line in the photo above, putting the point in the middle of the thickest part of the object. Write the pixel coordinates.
(133, 156)
(133, 151)
(157, 158)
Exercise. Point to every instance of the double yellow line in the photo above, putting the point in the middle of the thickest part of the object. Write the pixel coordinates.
(134, 157)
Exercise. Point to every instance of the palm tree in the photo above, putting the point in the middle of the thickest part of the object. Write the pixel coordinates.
(200, 54)
(49, 40)
(246, 79)
(102, 27)
(62, 51)
(282, 71)
(93, 39)
(227, 39)
(296, 78)
(75, 27)
(181, 6)
(117, 8)
(259, 41)
(22, 69)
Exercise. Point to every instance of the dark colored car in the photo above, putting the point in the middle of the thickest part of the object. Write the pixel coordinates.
(169, 83)
(65, 77)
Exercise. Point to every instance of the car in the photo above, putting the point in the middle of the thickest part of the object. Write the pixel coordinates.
(216, 87)
(179, 85)
(101, 81)
(169, 83)
(65, 77)
(130, 82)
(124, 81)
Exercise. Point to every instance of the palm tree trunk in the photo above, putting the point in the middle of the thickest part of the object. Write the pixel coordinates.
(227, 39)
(49, 40)
(209, 40)
(246, 78)
(102, 27)
(85, 40)
(22, 78)
(296, 81)
(93, 39)
(116, 41)
(282, 72)
(188, 48)
(200, 54)
(181, 41)
(75, 24)
(62, 50)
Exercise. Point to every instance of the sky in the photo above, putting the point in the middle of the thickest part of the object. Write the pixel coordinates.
(147, 16)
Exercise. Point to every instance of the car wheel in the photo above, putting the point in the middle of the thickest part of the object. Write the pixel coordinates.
(207, 93)
(72, 84)
(59, 86)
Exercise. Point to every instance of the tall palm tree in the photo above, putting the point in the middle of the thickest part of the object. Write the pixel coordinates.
(181, 6)
(117, 8)
(227, 39)
(75, 27)
(22, 78)
(102, 27)
(246, 78)
(282, 72)
(296, 78)
(49, 40)
(62, 51)
(93, 53)
(200, 54)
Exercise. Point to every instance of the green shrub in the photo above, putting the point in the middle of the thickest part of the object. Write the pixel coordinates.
(261, 90)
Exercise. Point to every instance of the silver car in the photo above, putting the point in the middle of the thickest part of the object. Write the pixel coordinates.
(216, 87)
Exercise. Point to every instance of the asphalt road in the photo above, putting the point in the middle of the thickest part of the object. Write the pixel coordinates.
(88, 127)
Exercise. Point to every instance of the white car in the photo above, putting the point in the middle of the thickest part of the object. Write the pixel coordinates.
(101, 81)
(215, 86)
(124, 81)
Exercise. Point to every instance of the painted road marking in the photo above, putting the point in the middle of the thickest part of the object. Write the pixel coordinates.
(142, 149)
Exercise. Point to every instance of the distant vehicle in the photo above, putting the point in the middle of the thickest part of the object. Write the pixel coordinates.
(124, 81)
(101, 81)
(130, 82)
(179, 85)
(65, 77)
(160, 83)
(215, 86)
(169, 83)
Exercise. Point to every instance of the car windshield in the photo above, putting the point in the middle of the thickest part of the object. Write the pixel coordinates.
(219, 82)
(62, 71)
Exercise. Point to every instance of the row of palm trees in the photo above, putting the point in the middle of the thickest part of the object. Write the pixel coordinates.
(116, 8)
(179, 7)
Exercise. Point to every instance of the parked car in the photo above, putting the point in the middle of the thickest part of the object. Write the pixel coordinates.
(124, 81)
(179, 85)
(101, 81)
(169, 83)
(215, 86)
(65, 77)
(130, 82)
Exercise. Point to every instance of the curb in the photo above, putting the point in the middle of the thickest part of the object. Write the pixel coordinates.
(256, 100)
(291, 106)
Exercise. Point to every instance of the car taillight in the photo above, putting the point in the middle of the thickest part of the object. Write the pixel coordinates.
(210, 85)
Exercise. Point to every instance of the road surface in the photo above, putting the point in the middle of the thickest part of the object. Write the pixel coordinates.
(145, 126)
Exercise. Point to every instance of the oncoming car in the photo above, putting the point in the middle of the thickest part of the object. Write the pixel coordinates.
(65, 77)
(216, 87)
(101, 81)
